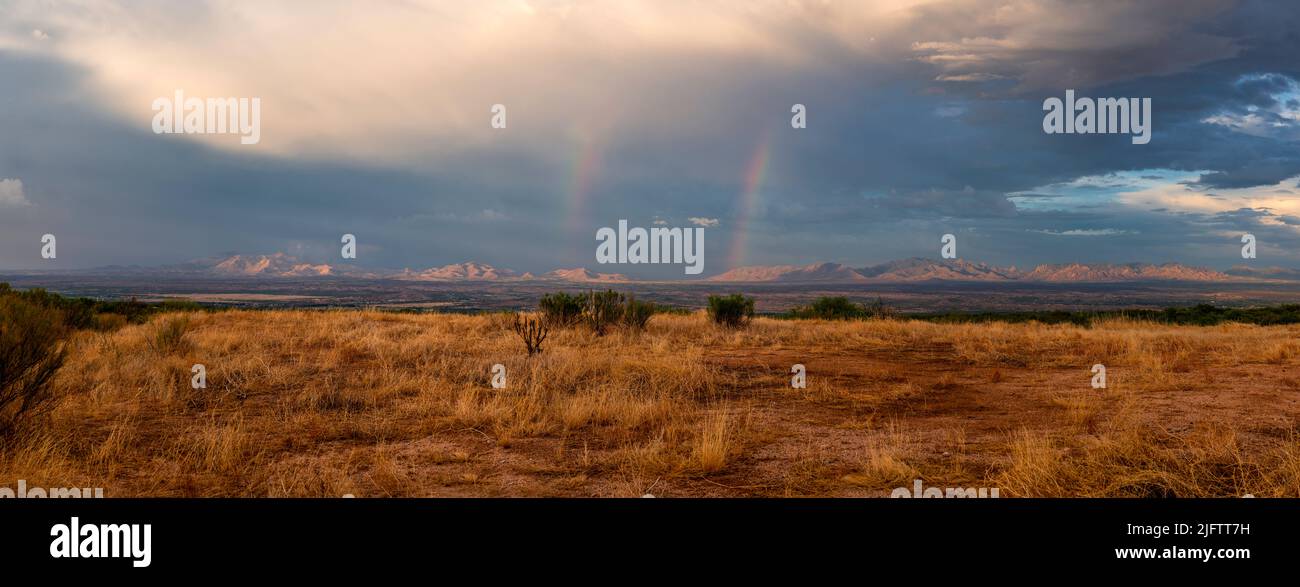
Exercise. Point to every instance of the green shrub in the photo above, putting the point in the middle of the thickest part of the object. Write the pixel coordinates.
(135, 311)
(178, 305)
(602, 310)
(78, 313)
(87, 313)
(31, 351)
(562, 309)
(840, 308)
(732, 311)
(636, 314)
(830, 308)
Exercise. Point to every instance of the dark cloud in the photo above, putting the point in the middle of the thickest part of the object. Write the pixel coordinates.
(892, 158)
(1253, 173)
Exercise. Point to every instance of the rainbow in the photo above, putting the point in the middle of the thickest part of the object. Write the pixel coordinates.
(585, 163)
(748, 203)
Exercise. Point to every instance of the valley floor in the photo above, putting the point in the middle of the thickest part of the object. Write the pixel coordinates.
(375, 404)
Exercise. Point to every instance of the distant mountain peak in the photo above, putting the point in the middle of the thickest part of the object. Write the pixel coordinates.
(273, 265)
(466, 271)
(584, 275)
(922, 269)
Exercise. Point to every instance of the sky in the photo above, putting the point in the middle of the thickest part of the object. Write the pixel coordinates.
(924, 118)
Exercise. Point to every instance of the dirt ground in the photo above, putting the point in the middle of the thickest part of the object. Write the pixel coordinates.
(375, 405)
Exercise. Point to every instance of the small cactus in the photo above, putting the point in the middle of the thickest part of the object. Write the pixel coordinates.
(533, 331)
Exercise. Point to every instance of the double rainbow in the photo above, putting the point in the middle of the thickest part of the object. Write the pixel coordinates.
(585, 167)
(748, 203)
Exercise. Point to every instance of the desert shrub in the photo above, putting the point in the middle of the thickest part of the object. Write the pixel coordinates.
(878, 309)
(105, 322)
(533, 332)
(86, 313)
(562, 309)
(830, 308)
(636, 314)
(31, 351)
(76, 313)
(840, 308)
(732, 311)
(178, 305)
(135, 311)
(602, 310)
(169, 335)
(837, 308)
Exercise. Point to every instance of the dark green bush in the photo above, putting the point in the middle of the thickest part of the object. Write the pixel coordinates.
(840, 308)
(562, 309)
(602, 310)
(179, 305)
(88, 313)
(732, 311)
(636, 314)
(830, 308)
(31, 351)
(135, 311)
(837, 308)
(78, 313)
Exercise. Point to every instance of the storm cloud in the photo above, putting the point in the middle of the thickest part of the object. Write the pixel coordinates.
(924, 118)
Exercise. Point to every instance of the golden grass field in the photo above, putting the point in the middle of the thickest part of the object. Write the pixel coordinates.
(326, 403)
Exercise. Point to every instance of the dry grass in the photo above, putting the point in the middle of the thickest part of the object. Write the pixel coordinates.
(884, 463)
(714, 443)
(322, 403)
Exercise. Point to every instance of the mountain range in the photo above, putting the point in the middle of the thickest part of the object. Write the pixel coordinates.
(919, 269)
(282, 265)
(927, 269)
